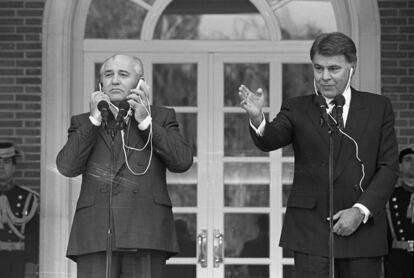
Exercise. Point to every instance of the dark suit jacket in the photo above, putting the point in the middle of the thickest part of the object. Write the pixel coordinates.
(371, 123)
(142, 213)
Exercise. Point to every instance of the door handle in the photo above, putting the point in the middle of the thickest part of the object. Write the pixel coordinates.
(202, 248)
(217, 248)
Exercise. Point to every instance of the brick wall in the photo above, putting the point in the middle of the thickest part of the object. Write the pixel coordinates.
(20, 75)
(20, 83)
(397, 63)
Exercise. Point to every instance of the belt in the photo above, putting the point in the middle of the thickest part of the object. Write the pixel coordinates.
(406, 245)
(11, 246)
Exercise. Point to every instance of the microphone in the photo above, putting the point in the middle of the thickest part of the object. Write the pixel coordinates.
(339, 102)
(321, 103)
(103, 107)
(122, 112)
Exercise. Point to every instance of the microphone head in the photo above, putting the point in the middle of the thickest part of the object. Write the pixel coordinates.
(320, 101)
(123, 108)
(339, 100)
(103, 105)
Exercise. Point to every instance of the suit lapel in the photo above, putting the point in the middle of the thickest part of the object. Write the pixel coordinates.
(355, 126)
(105, 137)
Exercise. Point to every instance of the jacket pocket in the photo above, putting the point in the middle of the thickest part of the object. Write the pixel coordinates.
(85, 202)
(162, 200)
(301, 202)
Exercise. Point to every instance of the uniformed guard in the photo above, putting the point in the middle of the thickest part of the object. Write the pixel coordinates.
(400, 215)
(19, 220)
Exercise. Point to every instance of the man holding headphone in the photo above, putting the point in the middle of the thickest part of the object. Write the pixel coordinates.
(123, 224)
(365, 165)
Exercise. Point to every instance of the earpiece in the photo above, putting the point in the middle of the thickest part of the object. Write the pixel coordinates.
(314, 87)
(141, 80)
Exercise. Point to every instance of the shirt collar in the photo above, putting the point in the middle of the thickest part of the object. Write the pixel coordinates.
(347, 96)
(115, 111)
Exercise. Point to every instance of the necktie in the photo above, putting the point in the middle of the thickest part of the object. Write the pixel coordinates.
(337, 115)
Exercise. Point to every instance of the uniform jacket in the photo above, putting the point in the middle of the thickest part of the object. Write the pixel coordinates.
(142, 213)
(401, 225)
(371, 123)
(22, 201)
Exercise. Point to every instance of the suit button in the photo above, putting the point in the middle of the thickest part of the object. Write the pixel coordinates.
(355, 187)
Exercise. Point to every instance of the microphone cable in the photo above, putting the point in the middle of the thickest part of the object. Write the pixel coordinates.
(149, 141)
(348, 84)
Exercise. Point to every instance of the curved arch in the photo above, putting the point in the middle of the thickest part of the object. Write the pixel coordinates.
(156, 11)
(269, 17)
(152, 18)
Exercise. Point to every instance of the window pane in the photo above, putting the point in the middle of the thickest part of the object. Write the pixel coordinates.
(237, 141)
(252, 75)
(246, 235)
(246, 195)
(115, 19)
(175, 84)
(246, 271)
(297, 80)
(287, 151)
(186, 226)
(182, 187)
(303, 20)
(249, 173)
(211, 20)
(287, 181)
(97, 75)
(180, 271)
(183, 195)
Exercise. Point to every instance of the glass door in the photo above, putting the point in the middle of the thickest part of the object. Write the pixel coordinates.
(245, 204)
(226, 211)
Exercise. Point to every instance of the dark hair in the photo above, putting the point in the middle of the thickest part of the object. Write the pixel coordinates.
(405, 152)
(336, 43)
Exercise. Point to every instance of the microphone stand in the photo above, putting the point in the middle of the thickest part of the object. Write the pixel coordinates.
(112, 132)
(331, 236)
(332, 130)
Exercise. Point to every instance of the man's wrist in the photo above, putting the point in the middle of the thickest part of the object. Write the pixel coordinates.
(94, 121)
(257, 120)
(145, 123)
(363, 210)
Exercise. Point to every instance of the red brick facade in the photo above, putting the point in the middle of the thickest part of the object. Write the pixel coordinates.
(20, 83)
(21, 70)
(397, 63)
